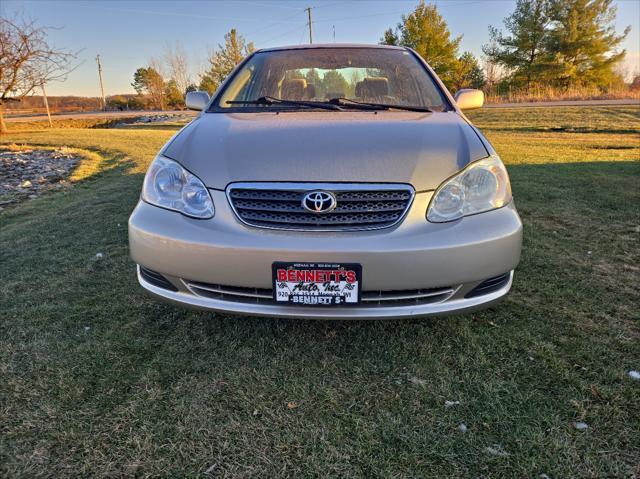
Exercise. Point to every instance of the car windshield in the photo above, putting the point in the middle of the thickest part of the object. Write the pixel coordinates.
(308, 75)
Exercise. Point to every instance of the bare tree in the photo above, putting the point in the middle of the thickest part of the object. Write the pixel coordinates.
(28, 61)
(178, 65)
(493, 71)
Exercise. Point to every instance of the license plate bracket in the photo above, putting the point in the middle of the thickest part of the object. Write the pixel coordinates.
(316, 284)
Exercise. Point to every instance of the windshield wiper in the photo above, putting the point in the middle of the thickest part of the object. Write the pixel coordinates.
(270, 100)
(376, 106)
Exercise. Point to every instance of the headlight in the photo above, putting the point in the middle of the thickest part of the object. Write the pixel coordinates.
(481, 186)
(169, 185)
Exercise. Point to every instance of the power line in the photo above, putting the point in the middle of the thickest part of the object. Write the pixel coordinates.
(265, 4)
(271, 25)
(284, 34)
(341, 19)
(173, 14)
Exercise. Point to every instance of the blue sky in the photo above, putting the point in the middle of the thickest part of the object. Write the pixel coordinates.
(127, 33)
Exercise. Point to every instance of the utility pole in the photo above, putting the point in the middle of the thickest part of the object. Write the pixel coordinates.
(308, 9)
(104, 103)
(46, 105)
(334, 33)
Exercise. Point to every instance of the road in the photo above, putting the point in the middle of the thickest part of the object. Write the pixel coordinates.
(97, 114)
(543, 104)
(130, 114)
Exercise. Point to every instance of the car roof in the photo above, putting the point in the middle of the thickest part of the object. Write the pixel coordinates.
(331, 45)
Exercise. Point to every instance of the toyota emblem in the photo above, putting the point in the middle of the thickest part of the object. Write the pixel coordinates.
(319, 201)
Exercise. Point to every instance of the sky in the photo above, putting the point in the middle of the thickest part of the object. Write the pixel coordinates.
(127, 33)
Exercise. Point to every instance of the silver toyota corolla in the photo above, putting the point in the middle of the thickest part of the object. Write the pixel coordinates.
(328, 181)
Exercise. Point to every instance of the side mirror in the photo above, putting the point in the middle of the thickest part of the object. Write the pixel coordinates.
(197, 100)
(468, 99)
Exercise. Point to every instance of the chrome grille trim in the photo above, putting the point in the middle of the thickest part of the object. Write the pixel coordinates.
(371, 296)
(368, 298)
(361, 206)
(241, 292)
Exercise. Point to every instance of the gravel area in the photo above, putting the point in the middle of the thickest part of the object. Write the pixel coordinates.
(151, 119)
(26, 174)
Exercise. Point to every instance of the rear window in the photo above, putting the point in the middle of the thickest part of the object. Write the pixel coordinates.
(389, 76)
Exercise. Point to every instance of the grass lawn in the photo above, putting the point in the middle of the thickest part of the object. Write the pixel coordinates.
(99, 380)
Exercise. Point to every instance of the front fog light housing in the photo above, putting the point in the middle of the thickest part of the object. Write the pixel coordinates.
(168, 185)
(481, 186)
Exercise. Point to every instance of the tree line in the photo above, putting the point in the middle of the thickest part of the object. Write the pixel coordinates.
(165, 83)
(563, 44)
(543, 43)
(559, 43)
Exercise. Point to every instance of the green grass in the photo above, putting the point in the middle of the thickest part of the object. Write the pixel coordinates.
(99, 380)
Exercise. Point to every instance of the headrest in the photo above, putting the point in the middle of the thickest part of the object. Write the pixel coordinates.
(293, 89)
(372, 87)
(310, 91)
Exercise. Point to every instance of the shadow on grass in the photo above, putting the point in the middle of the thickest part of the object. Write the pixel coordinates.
(560, 129)
(98, 376)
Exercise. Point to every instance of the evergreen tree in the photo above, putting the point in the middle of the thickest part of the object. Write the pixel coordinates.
(558, 42)
(524, 51)
(583, 42)
(223, 61)
(468, 73)
(313, 77)
(334, 84)
(426, 32)
(389, 38)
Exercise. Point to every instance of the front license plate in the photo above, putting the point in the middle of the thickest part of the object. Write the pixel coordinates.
(317, 284)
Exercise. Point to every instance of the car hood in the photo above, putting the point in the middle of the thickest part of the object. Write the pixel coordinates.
(421, 149)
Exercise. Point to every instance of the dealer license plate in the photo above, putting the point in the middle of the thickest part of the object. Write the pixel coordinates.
(317, 284)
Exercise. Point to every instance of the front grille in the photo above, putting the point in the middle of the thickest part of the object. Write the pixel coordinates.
(369, 298)
(358, 207)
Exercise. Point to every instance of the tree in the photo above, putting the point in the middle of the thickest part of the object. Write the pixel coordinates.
(524, 51)
(468, 73)
(149, 81)
(223, 61)
(178, 64)
(390, 38)
(584, 43)
(493, 71)
(28, 61)
(313, 77)
(561, 43)
(117, 102)
(333, 83)
(173, 97)
(426, 32)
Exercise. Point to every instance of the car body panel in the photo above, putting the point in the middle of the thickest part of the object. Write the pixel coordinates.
(421, 149)
(314, 147)
(415, 254)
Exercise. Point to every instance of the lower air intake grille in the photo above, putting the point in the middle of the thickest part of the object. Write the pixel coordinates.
(156, 279)
(369, 298)
(489, 285)
(358, 206)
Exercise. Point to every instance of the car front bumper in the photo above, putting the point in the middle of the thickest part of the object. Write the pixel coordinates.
(414, 255)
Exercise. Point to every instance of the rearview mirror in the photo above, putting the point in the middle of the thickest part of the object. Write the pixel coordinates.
(468, 99)
(197, 100)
